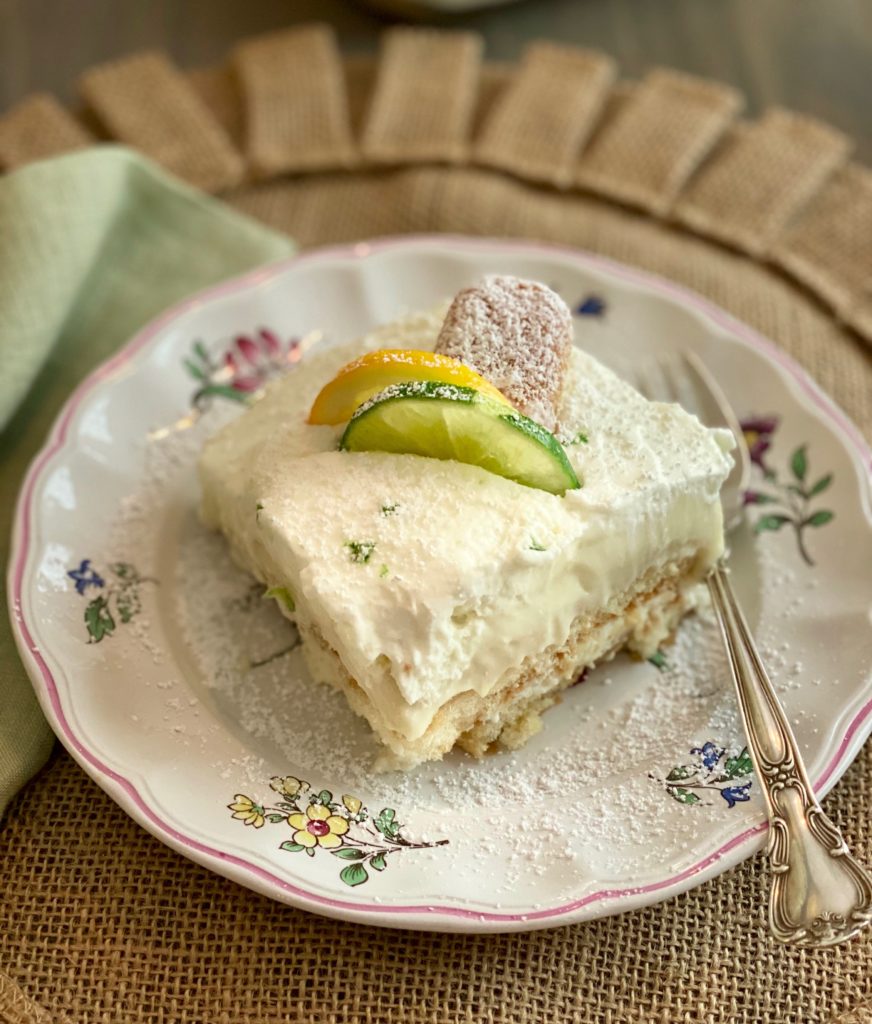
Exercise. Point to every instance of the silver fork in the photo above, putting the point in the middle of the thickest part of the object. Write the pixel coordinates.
(820, 895)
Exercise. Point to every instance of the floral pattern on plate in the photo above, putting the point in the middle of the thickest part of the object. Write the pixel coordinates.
(787, 499)
(242, 369)
(345, 829)
(531, 835)
(590, 305)
(711, 771)
(117, 598)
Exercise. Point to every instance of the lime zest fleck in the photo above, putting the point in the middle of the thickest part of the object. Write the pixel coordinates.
(258, 508)
(579, 438)
(360, 551)
(389, 510)
(535, 545)
(384, 571)
(284, 595)
(658, 660)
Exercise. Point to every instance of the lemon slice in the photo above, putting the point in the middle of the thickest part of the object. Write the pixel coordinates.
(375, 371)
(442, 420)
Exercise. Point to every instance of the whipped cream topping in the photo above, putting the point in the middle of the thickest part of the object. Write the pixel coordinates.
(430, 578)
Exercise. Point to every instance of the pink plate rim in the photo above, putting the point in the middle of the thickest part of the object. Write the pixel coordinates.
(423, 916)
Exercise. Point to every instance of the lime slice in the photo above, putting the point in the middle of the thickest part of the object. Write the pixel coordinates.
(373, 372)
(446, 421)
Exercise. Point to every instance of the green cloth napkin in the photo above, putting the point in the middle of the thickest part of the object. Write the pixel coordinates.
(92, 246)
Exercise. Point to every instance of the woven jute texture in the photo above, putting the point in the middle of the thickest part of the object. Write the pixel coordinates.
(103, 923)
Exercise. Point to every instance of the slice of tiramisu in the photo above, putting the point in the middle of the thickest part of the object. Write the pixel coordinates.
(461, 512)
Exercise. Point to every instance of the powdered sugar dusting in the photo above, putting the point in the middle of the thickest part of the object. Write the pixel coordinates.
(592, 780)
(417, 389)
(585, 798)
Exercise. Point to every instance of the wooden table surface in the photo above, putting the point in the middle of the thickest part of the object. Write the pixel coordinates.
(810, 55)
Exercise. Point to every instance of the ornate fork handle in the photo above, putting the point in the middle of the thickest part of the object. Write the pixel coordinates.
(820, 894)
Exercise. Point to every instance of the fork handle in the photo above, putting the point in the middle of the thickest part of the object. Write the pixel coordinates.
(820, 895)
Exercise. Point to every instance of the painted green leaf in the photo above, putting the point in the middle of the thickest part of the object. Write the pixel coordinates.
(309, 851)
(739, 766)
(684, 796)
(819, 518)
(98, 619)
(324, 797)
(128, 604)
(680, 772)
(773, 521)
(275, 818)
(222, 391)
(200, 350)
(378, 862)
(290, 847)
(354, 874)
(821, 485)
(385, 822)
(347, 853)
(194, 370)
(799, 463)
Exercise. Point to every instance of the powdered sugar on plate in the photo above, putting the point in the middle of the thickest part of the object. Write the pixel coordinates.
(638, 777)
(593, 779)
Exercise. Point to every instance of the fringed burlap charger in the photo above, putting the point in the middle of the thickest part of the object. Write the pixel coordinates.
(768, 218)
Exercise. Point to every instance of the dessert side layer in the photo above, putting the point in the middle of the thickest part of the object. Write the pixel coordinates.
(430, 579)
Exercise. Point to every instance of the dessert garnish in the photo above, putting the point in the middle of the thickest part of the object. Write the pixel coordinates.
(366, 376)
(360, 550)
(445, 421)
(518, 335)
(450, 606)
(283, 595)
(446, 405)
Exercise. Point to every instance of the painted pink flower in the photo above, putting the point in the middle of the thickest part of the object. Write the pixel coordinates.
(758, 433)
(252, 360)
(249, 362)
(239, 379)
(249, 350)
(271, 343)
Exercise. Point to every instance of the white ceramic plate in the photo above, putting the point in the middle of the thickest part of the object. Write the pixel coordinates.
(182, 694)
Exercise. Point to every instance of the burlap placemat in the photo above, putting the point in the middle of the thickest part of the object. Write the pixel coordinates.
(767, 218)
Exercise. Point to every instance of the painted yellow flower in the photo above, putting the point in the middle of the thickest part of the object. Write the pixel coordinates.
(248, 812)
(287, 785)
(351, 803)
(318, 827)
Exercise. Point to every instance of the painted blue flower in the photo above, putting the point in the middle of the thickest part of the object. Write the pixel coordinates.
(709, 754)
(592, 305)
(85, 577)
(736, 794)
